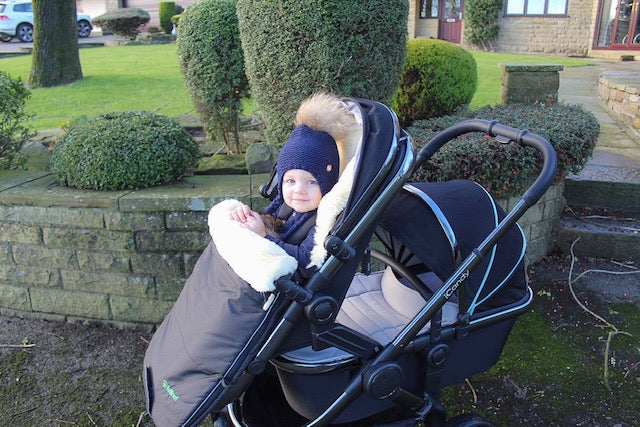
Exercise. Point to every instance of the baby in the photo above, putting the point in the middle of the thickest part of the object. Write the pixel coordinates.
(308, 167)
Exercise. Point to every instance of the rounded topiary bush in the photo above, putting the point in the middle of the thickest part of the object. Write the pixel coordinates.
(295, 48)
(437, 77)
(13, 132)
(123, 22)
(508, 170)
(130, 149)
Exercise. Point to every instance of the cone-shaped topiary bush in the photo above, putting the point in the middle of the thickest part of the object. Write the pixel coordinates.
(166, 9)
(130, 149)
(211, 60)
(437, 77)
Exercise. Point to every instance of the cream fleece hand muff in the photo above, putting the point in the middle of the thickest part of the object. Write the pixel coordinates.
(255, 259)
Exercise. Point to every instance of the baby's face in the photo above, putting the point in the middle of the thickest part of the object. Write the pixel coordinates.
(300, 190)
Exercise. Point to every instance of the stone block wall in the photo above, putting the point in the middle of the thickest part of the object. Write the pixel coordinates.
(620, 91)
(121, 258)
(113, 257)
(541, 221)
(570, 34)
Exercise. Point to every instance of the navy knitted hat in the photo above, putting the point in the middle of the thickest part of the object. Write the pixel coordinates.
(313, 151)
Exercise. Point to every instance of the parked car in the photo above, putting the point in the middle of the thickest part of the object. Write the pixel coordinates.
(16, 20)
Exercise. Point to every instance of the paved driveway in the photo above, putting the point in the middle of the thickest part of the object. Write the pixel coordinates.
(16, 46)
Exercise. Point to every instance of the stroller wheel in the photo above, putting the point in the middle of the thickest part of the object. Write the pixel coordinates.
(223, 419)
(468, 420)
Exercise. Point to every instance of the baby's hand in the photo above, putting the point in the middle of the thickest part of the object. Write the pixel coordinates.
(241, 213)
(249, 219)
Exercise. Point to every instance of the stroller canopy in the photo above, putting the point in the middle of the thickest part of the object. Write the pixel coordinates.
(431, 226)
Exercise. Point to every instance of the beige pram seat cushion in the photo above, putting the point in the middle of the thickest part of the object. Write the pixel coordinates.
(379, 305)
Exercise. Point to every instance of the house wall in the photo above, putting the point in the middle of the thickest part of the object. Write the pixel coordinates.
(567, 35)
(570, 35)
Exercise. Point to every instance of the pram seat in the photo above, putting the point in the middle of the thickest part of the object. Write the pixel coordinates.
(379, 305)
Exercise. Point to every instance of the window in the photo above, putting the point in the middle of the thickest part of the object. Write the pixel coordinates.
(535, 7)
(429, 8)
(22, 7)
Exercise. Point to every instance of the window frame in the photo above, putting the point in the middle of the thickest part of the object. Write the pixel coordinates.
(423, 7)
(545, 12)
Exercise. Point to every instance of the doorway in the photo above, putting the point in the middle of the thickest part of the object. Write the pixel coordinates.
(451, 20)
(619, 24)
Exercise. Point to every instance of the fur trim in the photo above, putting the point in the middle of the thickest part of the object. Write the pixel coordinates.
(330, 207)
(260, 266)
(327, 112)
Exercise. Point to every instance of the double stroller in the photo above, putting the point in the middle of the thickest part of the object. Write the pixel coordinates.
(421, 285)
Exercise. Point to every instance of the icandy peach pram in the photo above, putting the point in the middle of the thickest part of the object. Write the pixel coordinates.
(348, 345)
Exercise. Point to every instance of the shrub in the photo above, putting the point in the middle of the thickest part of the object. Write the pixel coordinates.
(437, 78)
(123, 22)
(509, 170)
(175, 19)
(130, 149)
(294, 48)
(166, 9)
(211, 60)
(13, 133)
(481, 22)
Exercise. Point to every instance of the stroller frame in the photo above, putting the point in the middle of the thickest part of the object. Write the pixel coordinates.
(377, 376)
(304, 312)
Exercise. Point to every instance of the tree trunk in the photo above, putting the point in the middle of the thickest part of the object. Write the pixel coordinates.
(55, 60)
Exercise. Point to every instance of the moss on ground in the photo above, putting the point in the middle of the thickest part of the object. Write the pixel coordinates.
(552, 367)
(550, 372)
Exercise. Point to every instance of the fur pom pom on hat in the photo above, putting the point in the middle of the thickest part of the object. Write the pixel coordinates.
(314, 151)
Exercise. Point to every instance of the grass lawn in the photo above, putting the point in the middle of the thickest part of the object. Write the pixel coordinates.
(115, 79)
(149, 78)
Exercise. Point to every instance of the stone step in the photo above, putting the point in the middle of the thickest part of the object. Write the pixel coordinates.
(602, 187)
(600, 233)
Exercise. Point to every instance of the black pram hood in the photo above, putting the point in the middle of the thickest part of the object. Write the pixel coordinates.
(413, 230)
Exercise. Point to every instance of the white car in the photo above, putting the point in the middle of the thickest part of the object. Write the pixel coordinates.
(16, 20)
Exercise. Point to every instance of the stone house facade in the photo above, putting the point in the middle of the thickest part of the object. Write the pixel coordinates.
(599, 28)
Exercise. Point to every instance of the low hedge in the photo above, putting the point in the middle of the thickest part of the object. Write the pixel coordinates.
(13, 130)
(508, 170)
(124, 150)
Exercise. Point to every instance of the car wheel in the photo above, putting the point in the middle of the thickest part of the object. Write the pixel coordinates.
(5, 38)
(25, 33)
(84, 29)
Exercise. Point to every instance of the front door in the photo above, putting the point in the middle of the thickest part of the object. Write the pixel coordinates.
(451, 20)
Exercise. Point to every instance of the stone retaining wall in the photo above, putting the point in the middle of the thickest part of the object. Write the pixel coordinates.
(620, 91)
(122, 257)
(113, 257)
(541, 221)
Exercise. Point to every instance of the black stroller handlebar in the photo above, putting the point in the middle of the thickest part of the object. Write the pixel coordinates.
(503, 134)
